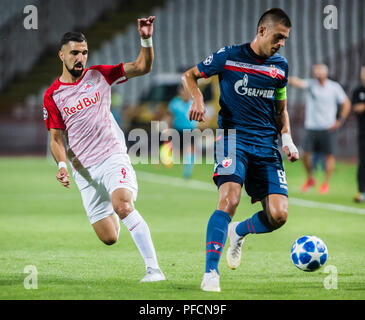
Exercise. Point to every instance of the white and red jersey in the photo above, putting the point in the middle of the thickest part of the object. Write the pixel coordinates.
(82, 109)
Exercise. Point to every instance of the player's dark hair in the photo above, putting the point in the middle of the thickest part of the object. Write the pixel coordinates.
(72, 36)
(276, 15)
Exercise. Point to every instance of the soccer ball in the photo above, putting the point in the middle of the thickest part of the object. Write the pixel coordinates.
(309, 253)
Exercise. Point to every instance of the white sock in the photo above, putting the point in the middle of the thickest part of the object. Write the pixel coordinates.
(142, 238)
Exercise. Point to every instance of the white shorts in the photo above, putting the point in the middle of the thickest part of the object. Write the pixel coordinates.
(96, 184)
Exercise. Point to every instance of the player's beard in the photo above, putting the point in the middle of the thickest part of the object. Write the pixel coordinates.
(76, 73)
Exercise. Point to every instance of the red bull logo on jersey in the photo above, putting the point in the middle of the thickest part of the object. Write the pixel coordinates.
(82, 104)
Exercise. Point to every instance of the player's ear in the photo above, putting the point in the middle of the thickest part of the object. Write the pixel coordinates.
(61, 55)
(261, 30)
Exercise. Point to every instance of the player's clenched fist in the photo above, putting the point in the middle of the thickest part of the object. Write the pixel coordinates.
(197, 110)
(145, 27)
(63, 177)
(289, 148)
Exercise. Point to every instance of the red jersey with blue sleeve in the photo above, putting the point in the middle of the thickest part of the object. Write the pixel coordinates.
(247, 92)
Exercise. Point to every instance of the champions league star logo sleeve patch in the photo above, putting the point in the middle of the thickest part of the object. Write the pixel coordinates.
(208, 60)
(45, 114)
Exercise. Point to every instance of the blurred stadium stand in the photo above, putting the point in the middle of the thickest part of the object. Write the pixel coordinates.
(22, 48)
(186, 31)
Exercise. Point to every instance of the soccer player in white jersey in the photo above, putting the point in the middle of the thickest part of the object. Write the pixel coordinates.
(77, 106)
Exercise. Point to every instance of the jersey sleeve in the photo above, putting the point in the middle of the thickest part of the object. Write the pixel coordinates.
(214, 63)
(341, 95)
(284, 82)
(111, 73)
(51, 115)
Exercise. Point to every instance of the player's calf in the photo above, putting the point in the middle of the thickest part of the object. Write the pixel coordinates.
(110, 240)
(107, 229)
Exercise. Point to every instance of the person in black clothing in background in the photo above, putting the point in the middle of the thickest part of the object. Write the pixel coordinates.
(358, 101)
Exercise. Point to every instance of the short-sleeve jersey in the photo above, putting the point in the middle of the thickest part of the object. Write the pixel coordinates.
(247, 91)
(322, 103)
(82, 109)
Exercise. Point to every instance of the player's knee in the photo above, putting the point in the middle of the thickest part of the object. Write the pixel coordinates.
(234, 201)
(123, 208)
(230, 203)
(278, 215)
(229, 197)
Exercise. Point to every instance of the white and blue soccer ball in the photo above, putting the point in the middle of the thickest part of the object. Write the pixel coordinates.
(309, 253)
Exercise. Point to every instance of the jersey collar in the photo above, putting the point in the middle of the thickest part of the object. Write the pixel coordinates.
(74, 83)
(252, 53)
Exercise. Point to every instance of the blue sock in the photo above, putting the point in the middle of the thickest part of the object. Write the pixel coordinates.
(258, 223)
(216, 238)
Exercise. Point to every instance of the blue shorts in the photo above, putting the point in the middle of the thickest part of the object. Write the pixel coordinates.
(262, 173)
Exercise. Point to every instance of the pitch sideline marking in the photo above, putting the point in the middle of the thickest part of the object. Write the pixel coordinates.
(205, 186)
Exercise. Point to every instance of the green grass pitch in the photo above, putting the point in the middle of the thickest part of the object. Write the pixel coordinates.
(44, 225)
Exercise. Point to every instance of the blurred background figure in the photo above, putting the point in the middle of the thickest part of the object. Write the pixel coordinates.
(179, 111)
(358, 100)
(318, 161)
(321, 122)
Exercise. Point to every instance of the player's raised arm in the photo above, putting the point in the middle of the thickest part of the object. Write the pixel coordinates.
(190, 82)
(297, 82)
(59, 154)
(283, 122)
(144, 61)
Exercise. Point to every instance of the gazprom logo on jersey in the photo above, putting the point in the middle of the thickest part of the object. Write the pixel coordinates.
(82, 104)
(241, 88)
(245, 80)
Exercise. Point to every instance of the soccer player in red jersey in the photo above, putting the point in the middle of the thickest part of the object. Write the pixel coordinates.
(77, 107)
